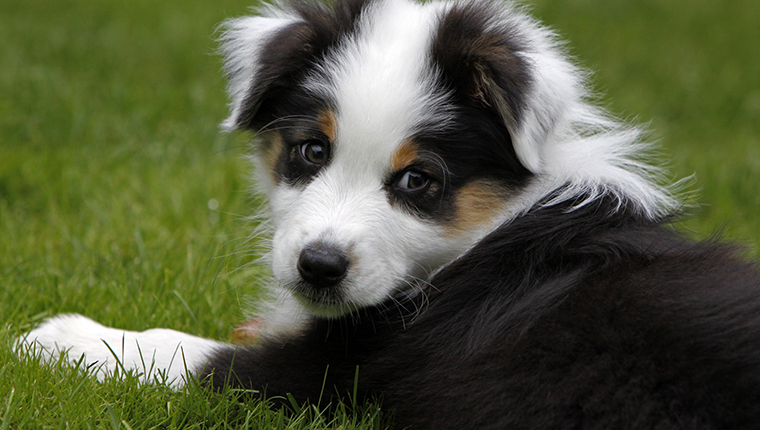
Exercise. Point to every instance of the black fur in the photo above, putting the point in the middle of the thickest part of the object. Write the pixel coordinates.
(300, 127)
(593, 318)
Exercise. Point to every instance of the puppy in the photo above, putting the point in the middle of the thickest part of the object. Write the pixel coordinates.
(458, 226)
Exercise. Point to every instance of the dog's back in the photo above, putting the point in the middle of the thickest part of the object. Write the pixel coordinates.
(595, 323)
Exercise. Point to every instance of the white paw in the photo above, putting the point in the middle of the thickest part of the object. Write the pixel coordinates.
(152, 353)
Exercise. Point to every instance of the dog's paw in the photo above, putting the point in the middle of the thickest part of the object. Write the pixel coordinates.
(156, 354)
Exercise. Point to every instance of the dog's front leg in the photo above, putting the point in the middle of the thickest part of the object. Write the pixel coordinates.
(158, 354)
(315, 365)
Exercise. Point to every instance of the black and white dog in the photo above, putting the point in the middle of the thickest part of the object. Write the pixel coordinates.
(454, 218)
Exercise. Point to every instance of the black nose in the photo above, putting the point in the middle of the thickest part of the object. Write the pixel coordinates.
(322, 265)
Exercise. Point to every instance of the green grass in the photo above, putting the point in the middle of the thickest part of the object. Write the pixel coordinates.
(110, 155)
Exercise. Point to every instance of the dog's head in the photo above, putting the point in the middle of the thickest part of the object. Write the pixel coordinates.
(391, 136)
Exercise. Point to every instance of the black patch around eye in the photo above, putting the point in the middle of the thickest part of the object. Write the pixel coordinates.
(420, 191)
(475, 145)
(295, 117)
(305, 158)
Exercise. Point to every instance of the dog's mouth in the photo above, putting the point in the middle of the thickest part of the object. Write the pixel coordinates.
(328, 302)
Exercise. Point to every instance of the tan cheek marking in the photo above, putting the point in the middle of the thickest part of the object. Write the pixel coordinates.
(404, 156)
(270, 148)
(477, 204)
(328, 124)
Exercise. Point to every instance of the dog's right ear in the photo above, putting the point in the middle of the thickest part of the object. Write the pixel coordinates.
(268, 54)
(254, 69)
(263, 55)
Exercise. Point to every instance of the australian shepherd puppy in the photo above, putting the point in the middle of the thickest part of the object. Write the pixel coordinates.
(454, 219)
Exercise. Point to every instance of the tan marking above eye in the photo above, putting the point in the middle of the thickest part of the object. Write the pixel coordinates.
(404, 156)
(328, 124)
(477, 204)
(270, 147)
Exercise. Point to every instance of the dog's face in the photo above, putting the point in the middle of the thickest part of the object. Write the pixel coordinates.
(363, 214)
(391, 137)
(366, 202)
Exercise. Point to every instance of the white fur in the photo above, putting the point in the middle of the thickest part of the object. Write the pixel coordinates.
(157, 354)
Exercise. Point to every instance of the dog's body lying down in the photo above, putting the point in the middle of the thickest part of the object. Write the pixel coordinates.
(453, 218)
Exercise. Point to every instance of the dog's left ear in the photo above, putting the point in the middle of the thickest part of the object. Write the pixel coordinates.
(485, 59)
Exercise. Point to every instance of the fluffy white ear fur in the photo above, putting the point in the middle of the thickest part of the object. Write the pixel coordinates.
(570, 143)
(555, 89)
(242, 41)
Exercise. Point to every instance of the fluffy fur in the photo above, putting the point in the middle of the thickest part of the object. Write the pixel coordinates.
(453, 217)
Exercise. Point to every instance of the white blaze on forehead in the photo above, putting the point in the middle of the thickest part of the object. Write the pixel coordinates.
(381, 80)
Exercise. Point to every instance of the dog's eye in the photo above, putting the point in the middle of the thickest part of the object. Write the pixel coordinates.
(314, 152)
(413, 180)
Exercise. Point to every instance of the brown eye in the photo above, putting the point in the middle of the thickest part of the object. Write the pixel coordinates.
(313, 152)
(413, 180)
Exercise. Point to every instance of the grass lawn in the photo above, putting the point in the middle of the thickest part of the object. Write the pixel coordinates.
(120, 200)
